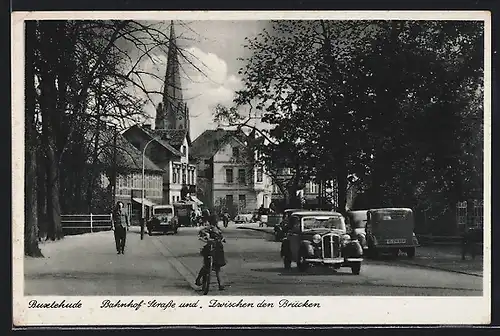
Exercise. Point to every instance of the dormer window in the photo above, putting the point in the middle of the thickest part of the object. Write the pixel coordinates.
(236, 152)
(183, 150)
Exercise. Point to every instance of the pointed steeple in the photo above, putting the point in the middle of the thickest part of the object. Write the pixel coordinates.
(171, 113)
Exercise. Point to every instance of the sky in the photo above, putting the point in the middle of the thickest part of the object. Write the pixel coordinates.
(214, 46)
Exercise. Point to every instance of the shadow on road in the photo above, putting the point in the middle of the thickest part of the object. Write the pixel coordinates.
(312, 271)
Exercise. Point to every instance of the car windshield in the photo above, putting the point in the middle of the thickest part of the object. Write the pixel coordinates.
(164, 211)
(393, 216)
(323, 222)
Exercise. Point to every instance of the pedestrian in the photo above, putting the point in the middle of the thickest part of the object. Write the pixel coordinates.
(120, 225)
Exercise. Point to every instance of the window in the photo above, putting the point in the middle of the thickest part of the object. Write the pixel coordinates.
(183, 150)
(260, 175)
(183, 176)
(174, 175)
(229, 175)
(129, 209)
(236, 152)
(229, 199)
(241, 176)
(242, 201)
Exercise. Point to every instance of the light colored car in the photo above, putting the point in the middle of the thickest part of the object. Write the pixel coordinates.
(243, 218)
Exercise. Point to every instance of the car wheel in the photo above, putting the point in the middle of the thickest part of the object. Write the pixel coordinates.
(410, 253)
(287, 262)
(356, 267)
(302, 264)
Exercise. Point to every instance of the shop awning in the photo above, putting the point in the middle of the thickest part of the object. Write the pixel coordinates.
(146, 201)
(195, 199)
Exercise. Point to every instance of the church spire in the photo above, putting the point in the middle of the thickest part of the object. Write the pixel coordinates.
(171, 113)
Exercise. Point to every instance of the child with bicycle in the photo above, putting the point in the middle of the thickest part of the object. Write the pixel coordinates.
(211, 234)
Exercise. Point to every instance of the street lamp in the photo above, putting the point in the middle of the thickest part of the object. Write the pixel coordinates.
(142, 198)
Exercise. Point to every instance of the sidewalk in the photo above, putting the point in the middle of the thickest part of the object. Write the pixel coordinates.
(88, 264)
(443, 257)
(447, 258)
(255, 227)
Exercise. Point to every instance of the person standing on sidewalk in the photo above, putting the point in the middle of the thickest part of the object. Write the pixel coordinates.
(120, 224)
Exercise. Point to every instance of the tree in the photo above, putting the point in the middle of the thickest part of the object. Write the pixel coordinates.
(293, 79)
(31, 247)
(335, 92)
(85, 75)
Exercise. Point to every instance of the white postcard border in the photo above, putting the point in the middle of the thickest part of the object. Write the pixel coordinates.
(334, 310)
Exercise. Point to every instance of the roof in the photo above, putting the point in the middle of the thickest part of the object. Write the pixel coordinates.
(390, 209)
(209, 142)
(127, 156)
(292, 210)
(317, 213)
(174, 137)
(151, 135)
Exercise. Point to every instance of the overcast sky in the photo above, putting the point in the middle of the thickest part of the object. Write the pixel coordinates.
(216, 47)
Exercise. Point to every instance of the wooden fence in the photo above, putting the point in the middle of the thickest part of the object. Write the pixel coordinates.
(83, 223)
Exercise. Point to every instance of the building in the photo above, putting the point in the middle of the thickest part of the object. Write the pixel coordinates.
(227, 173)
(308, 195)
(169, 144)
(129, 179)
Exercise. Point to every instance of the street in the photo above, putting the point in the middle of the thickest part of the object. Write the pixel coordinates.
(167, 265)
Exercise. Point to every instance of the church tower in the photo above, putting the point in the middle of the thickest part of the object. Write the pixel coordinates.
(172, 112)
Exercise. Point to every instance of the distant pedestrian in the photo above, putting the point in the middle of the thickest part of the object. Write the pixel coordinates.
(121, 223)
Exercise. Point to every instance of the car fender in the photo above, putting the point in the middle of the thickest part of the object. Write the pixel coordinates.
(306, 246)
(361, 237)
(352, 249)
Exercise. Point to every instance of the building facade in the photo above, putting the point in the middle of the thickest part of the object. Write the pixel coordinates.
(227, 172)
(128, 187)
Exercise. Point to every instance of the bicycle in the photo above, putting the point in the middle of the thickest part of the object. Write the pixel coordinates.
(208, 264)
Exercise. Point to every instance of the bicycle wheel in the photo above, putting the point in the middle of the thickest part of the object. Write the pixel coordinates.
(206, 277)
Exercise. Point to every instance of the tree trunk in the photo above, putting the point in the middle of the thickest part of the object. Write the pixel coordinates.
(53, 206)
(342, 190)
(31, 247)
(51, 121)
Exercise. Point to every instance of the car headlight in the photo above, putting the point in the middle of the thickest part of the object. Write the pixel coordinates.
(316, 238)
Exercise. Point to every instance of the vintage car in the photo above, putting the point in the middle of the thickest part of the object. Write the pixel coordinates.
(390, 230)
(281, 229)
(320, 238)
(357, 225)
(186, 213)
(243, 218)
(163, 220)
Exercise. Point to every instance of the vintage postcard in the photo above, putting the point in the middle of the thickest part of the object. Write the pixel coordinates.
(251, 168)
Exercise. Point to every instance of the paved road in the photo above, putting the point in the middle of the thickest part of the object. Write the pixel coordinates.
(167, 265)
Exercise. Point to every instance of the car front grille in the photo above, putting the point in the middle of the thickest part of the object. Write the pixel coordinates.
(331, 244)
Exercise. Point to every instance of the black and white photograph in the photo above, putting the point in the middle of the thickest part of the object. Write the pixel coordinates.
(271, 167)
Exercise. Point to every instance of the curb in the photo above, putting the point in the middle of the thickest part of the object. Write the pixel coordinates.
(254, 229)
(440, 268)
